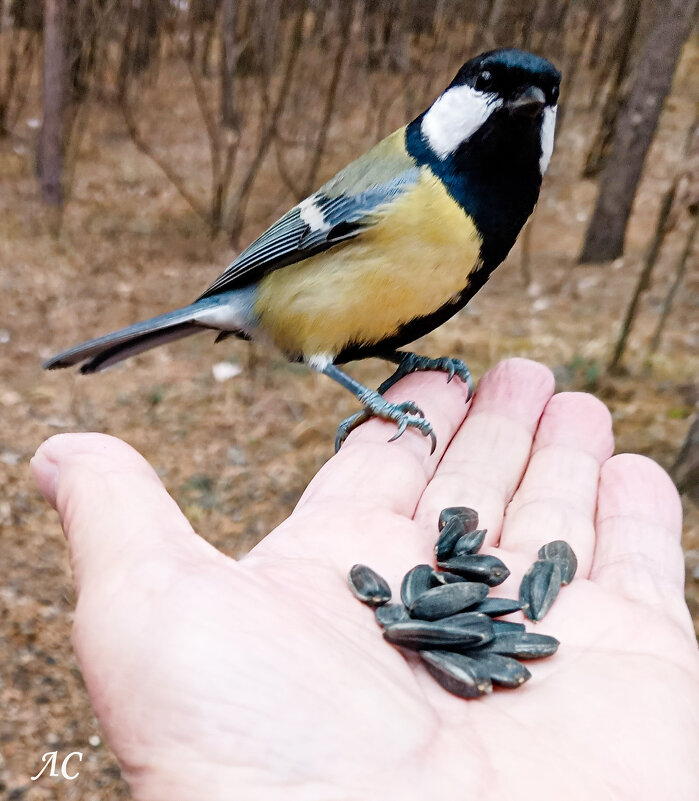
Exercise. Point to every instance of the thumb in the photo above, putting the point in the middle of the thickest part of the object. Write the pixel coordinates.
(115, 512)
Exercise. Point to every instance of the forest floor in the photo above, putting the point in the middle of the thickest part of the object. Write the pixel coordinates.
(236, 455)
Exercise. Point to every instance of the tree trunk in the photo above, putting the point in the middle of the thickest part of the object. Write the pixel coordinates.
(685, 470)
(644, 277)
(615, 96)
(51, 144)
(634, 131)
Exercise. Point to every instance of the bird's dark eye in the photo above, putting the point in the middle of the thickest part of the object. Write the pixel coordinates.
(554, 94)
(484, 80)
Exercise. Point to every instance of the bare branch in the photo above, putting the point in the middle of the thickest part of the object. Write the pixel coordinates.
(235, 211)
(18, 77)
(680, 270)
(285, 172)
(161, 163)
(346, 13)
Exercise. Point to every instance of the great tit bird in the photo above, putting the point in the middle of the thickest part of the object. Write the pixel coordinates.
(387, 250)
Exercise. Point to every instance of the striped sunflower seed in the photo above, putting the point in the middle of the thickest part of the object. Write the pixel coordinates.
(559, 551)
(477, 567)
(420, 635)
(477, 624)
(448, 599)
(503, 670)
(453, 530)
(468, 517)
(391, 613)
(369, 586)
(458, 674)
(500, 626)
(539, 588)
(522, 644)
(498, 606)
(415, 582)
(442, 577)
(469, 543)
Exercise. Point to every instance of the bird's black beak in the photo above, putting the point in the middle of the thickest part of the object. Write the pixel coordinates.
(529, 102)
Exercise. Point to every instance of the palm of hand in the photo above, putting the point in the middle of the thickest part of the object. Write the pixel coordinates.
(266, 678)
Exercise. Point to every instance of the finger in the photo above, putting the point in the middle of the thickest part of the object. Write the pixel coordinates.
(370, 471)
(557, 497)
(639, 524)
(114, 510)
(361, 503)
(485, 461)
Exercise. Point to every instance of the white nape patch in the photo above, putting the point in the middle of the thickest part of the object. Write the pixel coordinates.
(456, 116)
(548, 129)
(319, 361)
(312, 215)
(234, 312)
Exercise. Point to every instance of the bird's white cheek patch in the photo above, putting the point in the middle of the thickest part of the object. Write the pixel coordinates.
(548, 129)
(312, 215)
(455, 117)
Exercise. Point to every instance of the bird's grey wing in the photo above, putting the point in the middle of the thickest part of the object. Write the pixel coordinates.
(338, 211)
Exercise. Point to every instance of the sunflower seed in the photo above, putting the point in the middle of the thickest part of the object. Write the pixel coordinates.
(523, 644)
(477, 567)
(369, 586)
(500, 626)
(440, 577)
(503, 670)
(478, 625)
(469, 543)
(391, 613)
(447, 600)
(423, 634)
(458, 674)
(560, 552)
(415, 582)
(453, 530)
(498, 606)
(468, 517)
(539, 588)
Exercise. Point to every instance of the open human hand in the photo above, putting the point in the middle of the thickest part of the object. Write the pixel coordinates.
(265, 679)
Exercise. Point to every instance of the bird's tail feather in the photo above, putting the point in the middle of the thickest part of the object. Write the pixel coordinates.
(144, 342)
(109, 349)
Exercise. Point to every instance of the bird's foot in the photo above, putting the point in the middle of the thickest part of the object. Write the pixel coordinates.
(412, 363)
(406, 415)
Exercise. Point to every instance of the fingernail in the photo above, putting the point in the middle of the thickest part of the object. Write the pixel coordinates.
(46, 476)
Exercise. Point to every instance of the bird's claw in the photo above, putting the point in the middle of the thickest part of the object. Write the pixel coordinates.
(422, 425)
(413, 363)
(348, 425)
(406, 414)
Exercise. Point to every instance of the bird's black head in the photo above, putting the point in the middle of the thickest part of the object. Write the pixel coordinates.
(489, 138)
(518, 88)
(508, 76)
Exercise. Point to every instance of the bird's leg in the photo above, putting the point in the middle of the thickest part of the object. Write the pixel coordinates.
(405, 414)
(407, 363)
(412, 363)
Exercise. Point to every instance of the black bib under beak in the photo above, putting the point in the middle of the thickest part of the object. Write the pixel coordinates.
(529, 103)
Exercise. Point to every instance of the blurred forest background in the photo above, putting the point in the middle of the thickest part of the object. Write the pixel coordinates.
(144, 142)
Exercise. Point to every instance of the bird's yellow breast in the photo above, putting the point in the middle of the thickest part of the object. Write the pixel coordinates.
(416, 258)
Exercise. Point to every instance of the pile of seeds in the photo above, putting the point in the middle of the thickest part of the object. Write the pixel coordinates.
(447, 616)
